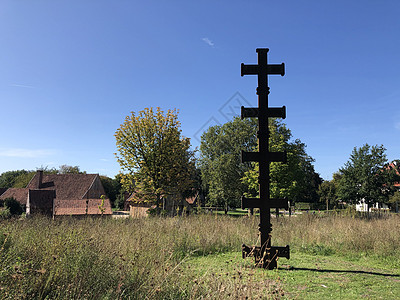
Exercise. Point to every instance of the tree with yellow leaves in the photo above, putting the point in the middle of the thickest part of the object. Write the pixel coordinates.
(155, 158)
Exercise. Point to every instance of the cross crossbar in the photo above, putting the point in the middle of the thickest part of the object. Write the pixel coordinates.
(280, 251)
(273, 112)
(271, 156)
(273, 251)
(271, 203)
(248, 112)
(262, 69)
(250, 156)
(277, 157)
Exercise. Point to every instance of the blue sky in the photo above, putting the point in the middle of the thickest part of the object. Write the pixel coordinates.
(70, 71)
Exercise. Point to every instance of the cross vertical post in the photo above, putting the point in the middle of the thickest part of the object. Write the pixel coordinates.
(265, 254)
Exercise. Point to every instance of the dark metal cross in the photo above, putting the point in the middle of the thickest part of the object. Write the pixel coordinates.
(265, 255)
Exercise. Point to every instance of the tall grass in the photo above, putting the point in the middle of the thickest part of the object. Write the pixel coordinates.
(343, 235)
(104, 258)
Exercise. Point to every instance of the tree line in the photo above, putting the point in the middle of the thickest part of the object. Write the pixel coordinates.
(157, 161)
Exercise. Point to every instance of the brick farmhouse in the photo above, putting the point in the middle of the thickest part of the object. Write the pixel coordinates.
(61, 195)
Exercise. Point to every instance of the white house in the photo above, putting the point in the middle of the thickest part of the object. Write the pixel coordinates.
(362, 206)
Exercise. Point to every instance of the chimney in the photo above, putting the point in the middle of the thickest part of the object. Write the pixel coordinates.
(40, 179)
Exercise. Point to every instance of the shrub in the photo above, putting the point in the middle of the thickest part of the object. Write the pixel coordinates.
(13, 206)
(5, 214)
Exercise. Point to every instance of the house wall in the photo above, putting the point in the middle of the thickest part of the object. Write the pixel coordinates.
(362, 206)
(40, 201)
(96, 190)
(138, 211)
(176, 205)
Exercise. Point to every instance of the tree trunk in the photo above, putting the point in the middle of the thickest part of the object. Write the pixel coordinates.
(158, 201)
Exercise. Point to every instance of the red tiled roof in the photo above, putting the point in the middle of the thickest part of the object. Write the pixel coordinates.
(394, 166)
(67, 186)
(21, 195)
(66, 207)
(94, 207)
(69, 207)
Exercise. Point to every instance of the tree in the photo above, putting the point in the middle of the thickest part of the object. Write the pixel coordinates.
(327, 191)
(23, 179)
(112, 188)
(66, 169)
(220, 162)
(155, 156)
(367, 177)
(8, 179)
(296, 179)
(308, 183)
(394, 200)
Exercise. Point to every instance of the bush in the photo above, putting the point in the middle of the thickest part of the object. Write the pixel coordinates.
(5, 214)
(119, 201)
(13, 206)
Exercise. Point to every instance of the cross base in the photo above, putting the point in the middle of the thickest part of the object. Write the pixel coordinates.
(268, 260)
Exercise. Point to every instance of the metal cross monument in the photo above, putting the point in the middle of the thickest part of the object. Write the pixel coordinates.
(265, 255)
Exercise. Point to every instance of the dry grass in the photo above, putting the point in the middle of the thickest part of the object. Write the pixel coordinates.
(341, 234)
(139, 259)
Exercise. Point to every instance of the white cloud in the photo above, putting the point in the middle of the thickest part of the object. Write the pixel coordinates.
(208, 41)
(23, 86)
(26, 153)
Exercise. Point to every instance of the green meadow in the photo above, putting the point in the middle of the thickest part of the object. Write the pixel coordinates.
(198, 257)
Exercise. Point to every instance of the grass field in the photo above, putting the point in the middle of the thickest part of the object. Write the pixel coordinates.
(197, 257)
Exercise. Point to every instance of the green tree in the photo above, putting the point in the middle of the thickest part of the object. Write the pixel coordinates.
(23, 179)
(8, 179)
(309, 183)
(367, 177)
(394, 200)
(155, 157)
(296, 179)
(220, 162)
(328, 190)
(66, 169)
(112, 187)
(327, 193)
